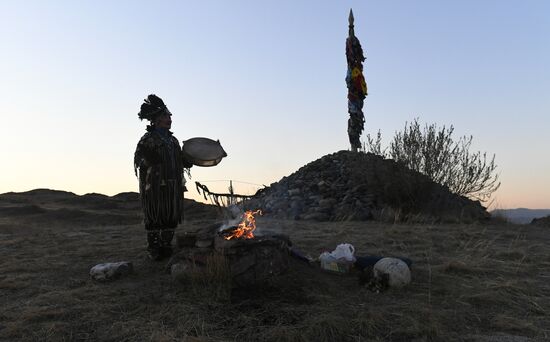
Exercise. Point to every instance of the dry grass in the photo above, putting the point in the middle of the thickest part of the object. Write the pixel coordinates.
(468, 280)
(212, 281)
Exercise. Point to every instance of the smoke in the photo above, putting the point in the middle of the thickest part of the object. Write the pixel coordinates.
(233, 216)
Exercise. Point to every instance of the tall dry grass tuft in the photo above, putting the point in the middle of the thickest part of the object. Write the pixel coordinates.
(499, 218)
(327, 328)
(212, 281)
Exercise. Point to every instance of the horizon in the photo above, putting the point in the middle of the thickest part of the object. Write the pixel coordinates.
(267, 80)
(206, 202)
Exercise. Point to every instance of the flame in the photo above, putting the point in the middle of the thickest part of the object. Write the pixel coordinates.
(247, 226)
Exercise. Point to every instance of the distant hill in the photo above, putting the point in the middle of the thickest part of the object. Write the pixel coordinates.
(92, 208)
(521, 215)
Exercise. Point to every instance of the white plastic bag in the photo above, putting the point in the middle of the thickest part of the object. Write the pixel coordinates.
(344, 251)
(339, 260)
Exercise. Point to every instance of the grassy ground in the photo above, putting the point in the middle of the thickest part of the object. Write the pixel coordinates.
(470, 283)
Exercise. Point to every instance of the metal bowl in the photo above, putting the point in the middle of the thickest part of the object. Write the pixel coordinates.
(203, 152)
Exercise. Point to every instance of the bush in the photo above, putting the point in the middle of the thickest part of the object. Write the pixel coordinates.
(433, 152)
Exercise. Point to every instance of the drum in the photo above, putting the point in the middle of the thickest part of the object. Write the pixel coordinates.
(203, 151)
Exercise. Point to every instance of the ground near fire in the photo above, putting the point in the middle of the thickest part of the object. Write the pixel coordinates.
(485, 280)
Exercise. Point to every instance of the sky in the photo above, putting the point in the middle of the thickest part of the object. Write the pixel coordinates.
(266, 78)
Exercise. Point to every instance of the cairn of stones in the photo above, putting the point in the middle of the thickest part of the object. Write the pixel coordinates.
(362, 186)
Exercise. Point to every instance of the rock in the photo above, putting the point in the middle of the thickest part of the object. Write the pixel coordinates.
(253, 261)
(268, 205)
(77, 234)
(296, 205)
(325, 210)
(316, 217)
(327, 202)
(111, 270)
(396, 269)
(294, 192)
(315, 198)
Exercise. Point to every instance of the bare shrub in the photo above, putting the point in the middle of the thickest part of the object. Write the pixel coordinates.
(374, 145)
(433, 152)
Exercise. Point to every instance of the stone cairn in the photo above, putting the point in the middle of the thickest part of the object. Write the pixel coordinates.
(362, 186)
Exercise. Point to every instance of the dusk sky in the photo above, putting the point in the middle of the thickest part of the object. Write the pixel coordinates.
(266, 78)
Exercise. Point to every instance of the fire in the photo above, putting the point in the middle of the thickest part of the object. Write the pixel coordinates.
(247, 226)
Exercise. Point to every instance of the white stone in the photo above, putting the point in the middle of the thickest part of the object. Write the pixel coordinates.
(397, 270)
(294, 192)
(110, 270)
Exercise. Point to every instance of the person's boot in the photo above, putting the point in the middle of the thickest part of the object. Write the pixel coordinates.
(153, 245)
(166, 236)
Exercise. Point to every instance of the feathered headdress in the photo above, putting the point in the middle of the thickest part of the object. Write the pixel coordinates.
(152, 107)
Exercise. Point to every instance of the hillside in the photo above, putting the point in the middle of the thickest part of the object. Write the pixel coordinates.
(471, 282)
(96, 209)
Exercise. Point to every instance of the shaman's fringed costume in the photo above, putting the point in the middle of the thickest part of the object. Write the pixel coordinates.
(161, 184)
(357, 87)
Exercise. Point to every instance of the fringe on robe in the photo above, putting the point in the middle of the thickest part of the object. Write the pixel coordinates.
(161, 183)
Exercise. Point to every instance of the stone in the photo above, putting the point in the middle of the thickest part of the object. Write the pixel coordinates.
(315, 198)
(316, 217)
(296, 205)
(77, 234)
(294, 192)
(111, 270)
(397, 271)
(253, 261)
(268, 205)
(327, 202)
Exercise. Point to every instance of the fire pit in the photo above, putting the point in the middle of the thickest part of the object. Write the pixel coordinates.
(252, 258)
(244, 230)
